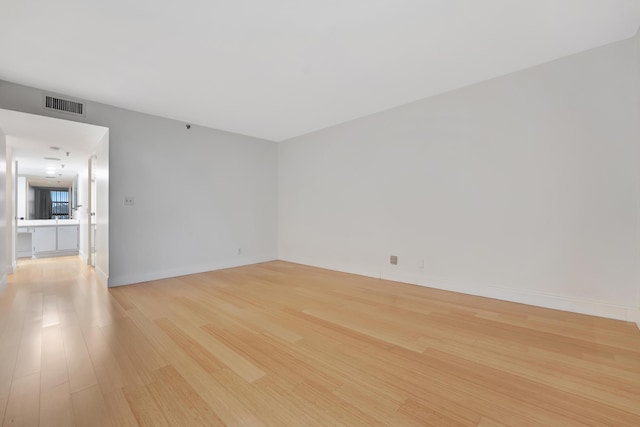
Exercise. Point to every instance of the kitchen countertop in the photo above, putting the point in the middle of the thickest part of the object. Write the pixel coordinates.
(46, 222)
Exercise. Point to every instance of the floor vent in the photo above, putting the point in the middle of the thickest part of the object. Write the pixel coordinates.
(64, 105)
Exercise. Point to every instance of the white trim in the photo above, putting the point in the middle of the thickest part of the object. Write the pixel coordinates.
(101, 276)
(129, 279)
(341, 267)
(11, 268)
(636, 315)
(3, 283)
(83, 256)
(539, 299)
(53, 254)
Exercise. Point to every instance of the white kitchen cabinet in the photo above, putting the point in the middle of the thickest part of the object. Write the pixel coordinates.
(24, 243)
(54, 240)
(45, 239)
(67, 238)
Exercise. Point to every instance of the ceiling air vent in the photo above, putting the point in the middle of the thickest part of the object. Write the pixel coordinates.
(64, 105)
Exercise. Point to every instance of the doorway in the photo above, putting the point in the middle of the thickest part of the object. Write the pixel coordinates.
(50, 153)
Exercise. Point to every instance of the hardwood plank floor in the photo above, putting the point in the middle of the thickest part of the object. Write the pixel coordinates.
(280, 344)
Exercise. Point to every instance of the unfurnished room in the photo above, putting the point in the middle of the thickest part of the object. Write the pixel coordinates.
(296, 213)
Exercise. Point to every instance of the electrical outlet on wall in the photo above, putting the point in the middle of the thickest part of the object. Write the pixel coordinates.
(129, 201)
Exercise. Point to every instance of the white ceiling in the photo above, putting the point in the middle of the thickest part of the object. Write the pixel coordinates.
(31, 136)
(280, 68)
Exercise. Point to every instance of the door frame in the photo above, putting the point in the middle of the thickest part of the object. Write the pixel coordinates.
(91, 210)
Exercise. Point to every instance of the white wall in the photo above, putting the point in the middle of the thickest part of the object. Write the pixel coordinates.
(200, 194)
(523, 188)
(4, 257)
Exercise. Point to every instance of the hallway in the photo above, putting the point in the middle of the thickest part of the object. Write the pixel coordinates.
(48, 312)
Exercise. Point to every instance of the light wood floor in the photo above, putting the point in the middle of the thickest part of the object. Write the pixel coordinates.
(281, 344)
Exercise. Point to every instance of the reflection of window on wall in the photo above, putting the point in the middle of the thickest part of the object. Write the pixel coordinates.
(51, 203)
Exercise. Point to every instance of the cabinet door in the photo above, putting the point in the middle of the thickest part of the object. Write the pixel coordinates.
(44, 239)
(24, 243)
(68, 238)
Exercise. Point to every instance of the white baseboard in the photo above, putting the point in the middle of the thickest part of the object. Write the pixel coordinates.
(539, 299)
(83, 256)
(636, 315)
(557, 302)
(129, 279)
(367, 271)
(3, 283)
(102, 277)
